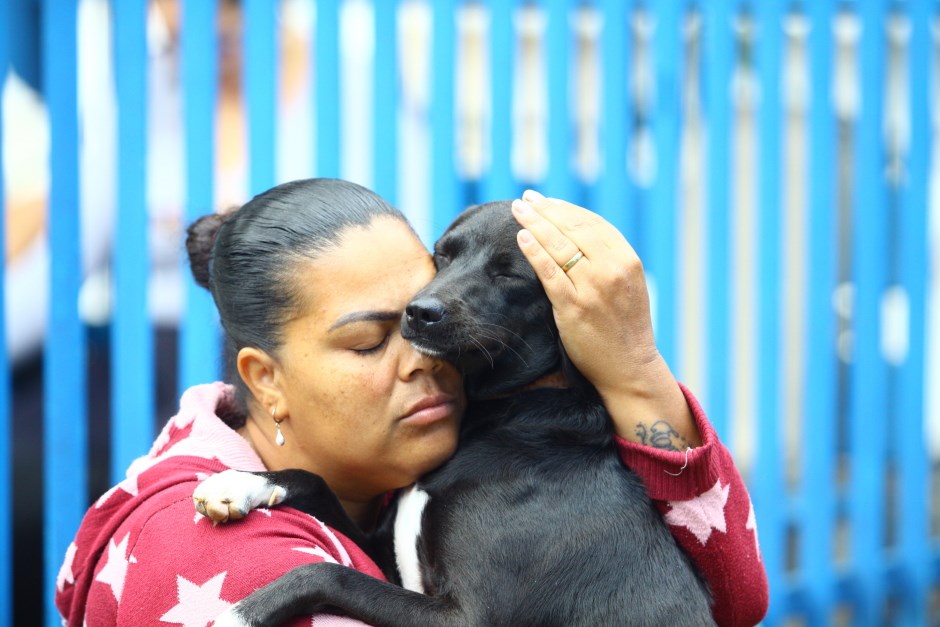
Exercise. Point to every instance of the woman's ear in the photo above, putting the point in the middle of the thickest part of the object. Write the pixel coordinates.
(259, 371)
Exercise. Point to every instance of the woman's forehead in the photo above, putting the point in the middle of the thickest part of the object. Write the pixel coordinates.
(380, 266)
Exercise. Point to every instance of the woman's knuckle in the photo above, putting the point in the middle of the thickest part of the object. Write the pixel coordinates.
(559, 244)
(585, 222)
(621, 276)
(550, 269)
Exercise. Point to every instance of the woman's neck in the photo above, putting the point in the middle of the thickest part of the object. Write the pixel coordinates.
(363, 512)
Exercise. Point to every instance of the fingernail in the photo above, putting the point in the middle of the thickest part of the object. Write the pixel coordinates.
(521, 207)
(525, 236)
(532, 195)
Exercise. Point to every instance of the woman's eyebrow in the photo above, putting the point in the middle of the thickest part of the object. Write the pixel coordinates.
(365, 316)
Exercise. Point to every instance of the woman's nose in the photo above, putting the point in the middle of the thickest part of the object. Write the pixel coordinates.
(414, 362)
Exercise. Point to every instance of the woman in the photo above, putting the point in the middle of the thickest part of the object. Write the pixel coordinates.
(310, 280)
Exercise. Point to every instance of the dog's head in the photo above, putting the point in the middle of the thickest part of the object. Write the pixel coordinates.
(485, 311)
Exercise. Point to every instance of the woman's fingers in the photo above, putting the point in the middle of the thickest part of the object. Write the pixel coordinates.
(591, 233)
(553, 242)
(557, 284)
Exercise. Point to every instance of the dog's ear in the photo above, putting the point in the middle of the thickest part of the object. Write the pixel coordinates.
(572, 375)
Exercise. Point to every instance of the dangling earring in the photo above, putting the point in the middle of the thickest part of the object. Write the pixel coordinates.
(279, 438)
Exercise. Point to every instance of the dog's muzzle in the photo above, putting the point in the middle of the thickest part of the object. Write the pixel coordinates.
(422, 313)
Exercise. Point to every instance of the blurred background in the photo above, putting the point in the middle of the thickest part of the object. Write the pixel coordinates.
(772, 162)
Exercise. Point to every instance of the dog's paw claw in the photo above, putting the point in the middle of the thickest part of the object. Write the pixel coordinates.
(278, 494)
(231, 494)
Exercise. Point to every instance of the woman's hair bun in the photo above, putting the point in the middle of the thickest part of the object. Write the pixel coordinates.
(200, 236)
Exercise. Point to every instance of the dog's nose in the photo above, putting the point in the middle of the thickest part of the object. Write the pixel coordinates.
(422, 312)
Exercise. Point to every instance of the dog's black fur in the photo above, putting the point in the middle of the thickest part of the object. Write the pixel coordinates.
(535, 520)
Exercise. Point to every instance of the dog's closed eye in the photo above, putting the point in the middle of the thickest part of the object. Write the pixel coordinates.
(505, 275)
(506, 267)
(441, 261)
(447, 249)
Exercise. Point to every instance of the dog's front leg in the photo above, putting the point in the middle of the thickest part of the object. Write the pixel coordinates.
(326, 587)
(231, 494)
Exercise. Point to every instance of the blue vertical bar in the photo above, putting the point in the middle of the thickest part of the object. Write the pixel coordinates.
(615, 113)
(385, 100)
(6, 430)
(132, 389)
(718, 61)
(913, 461)
(199, 338)
(819, 439)
(869, 373)
(558, 44)
(444, 174)
(326, 88)
(768, 476)
(260, 89)
(660, 241)
(498, 183)
(64, 394)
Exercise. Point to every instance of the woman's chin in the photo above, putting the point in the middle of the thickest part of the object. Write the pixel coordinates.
(423, 462)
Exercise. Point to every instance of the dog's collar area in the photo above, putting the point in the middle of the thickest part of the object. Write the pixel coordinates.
(552, 380)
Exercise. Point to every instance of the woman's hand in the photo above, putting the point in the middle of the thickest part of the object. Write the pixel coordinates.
(601, 306)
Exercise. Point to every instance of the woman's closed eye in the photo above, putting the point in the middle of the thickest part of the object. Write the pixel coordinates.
(367, 348)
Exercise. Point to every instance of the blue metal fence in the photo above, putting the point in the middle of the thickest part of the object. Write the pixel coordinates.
(920, 566)
(64, 454)
(6, 431)
(821, 382)
(849, 538)
(132, 341)
(199, 68)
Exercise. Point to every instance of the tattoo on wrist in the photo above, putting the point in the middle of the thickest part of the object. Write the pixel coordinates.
(660, 435)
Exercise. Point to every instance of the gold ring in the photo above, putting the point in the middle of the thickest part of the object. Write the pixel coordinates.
(570, 263)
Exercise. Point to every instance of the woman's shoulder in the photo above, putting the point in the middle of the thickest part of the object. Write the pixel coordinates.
(281, 535)
(165, 511)
(177, 565)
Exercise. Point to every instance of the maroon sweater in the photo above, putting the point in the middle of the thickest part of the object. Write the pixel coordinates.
(142, 555)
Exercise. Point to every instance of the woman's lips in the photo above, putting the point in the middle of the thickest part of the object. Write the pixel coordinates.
(429, 409)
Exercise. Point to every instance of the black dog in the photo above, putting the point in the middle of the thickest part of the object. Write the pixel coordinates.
(535, 520)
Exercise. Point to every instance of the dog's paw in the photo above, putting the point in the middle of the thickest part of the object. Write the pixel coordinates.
(231, 494)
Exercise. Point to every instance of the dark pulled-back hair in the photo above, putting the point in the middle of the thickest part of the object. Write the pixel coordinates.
(247, 258)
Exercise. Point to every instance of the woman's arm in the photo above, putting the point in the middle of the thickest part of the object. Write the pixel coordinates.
(601, 306)
(703, 499)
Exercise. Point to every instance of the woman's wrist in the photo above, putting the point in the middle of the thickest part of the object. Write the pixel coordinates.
(649, 408)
